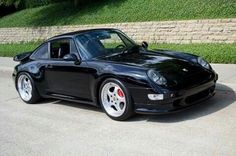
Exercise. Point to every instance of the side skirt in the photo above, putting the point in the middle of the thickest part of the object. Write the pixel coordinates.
(70, 98)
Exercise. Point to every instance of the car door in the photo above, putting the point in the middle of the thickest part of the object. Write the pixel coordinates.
(65, 78)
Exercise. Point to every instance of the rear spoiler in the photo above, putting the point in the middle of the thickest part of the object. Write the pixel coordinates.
(22, 57)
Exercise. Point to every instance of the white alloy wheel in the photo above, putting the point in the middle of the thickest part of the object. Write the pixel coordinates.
(24, 87)
(113, 99)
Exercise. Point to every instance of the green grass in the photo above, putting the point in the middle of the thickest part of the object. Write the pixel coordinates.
(9, 50)
(110, 11)
(214, 53)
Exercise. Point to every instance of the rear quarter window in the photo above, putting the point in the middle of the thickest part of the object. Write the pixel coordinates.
(41, 52)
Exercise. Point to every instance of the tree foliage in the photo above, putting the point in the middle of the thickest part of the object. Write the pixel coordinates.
(35, 3)
(10, 2)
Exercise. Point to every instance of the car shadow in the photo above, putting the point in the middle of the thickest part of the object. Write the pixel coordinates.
(71, 104)
(224, 97)
(79, 105)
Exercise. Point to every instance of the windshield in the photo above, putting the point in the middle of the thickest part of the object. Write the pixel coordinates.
(99, 43)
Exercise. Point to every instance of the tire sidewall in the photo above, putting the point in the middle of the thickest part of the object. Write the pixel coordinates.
(129, 105)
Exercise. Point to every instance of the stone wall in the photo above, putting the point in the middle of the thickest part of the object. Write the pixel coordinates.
(186, 31)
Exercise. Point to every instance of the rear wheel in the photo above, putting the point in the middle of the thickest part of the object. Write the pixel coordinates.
(115, 99)
(26, 88)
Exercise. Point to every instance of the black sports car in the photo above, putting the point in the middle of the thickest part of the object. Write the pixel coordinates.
(104, 67)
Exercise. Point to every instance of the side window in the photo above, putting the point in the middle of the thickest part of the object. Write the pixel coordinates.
(60, 48)
(41, 52)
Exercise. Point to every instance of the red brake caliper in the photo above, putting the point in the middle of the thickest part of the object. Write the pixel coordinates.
(121, 93)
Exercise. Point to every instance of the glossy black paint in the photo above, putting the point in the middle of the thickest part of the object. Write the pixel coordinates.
(80, 82)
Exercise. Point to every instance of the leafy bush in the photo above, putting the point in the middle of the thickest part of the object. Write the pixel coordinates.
(22, 4)
(35, 3)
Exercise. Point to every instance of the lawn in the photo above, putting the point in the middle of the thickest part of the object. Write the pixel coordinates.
(9, 50)
(110, 11)
(214, 53)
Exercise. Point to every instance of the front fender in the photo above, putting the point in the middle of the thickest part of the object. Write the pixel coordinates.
(131, 77)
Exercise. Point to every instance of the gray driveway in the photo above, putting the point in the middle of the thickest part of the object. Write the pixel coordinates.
(55, 127)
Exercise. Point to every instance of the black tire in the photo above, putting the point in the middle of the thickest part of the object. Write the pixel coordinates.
(129, 110)
(35, 95)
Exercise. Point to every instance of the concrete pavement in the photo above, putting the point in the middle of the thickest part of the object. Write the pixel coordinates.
(55, 127)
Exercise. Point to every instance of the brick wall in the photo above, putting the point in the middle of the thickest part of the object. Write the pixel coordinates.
(188, 31)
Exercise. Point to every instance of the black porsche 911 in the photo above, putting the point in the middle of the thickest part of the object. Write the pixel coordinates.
(104, 67)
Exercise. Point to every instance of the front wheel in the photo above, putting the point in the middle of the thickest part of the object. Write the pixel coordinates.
(26, 88)
(115, 100)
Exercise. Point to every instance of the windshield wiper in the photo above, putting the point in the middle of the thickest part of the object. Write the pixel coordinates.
(124, 51)
(109, 55)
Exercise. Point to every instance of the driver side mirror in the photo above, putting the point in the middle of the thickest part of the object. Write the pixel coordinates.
(72, 57)
(144, 44)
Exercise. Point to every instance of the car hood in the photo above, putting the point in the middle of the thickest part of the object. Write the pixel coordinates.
(176, 70)
(160, 61)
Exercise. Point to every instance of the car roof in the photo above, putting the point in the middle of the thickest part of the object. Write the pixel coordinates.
(75, 33)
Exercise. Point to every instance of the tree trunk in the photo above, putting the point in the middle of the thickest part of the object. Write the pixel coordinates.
(76, 3)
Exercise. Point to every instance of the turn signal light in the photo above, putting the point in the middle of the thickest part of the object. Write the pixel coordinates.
(156, 96)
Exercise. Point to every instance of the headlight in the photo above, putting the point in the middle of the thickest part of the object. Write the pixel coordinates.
(203, 63)
(156, 77)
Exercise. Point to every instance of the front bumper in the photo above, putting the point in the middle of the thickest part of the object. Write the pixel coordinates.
(181, 100)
